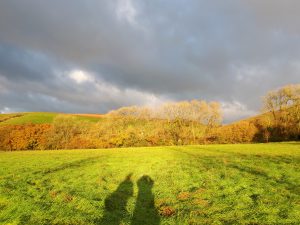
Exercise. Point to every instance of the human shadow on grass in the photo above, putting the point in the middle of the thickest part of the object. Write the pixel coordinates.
(115, 203)
(145, 212)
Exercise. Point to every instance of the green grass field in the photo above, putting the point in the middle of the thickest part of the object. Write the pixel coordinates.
(39, 118)
(214, 184)
(25, 118)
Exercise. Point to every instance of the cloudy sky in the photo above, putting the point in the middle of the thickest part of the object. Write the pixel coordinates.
(92, 56)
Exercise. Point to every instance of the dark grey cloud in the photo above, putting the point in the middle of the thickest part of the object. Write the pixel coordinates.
(92, 56)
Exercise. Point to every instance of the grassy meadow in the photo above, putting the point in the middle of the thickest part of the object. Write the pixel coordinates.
(214, 184)
(41, 118)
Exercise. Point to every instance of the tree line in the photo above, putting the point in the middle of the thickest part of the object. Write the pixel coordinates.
(174, 123)
(279, 121)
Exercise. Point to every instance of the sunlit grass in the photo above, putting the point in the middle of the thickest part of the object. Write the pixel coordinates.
(39, 118)
(35, 118)
(215, 184)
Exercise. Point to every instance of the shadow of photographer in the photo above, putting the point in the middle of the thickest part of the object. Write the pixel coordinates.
(115, 204)
(144, 213)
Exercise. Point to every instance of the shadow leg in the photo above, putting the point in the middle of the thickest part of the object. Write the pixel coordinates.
(145, 212)
(115, 203)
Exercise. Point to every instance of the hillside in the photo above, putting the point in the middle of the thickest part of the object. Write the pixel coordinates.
(175, 124)
(41, 118)
(260, 128)
(47, 118)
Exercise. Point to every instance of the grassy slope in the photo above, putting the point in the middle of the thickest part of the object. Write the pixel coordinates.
(47, 117)
(35, 118)
(40, 118)
(215, 184)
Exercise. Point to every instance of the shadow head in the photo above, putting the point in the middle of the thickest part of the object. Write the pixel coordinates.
(145, 181)
(128, 177)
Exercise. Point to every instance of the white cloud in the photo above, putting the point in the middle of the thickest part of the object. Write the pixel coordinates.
(80, 76)
(110, 93)
(5, 110)
(126, 10)
(247, 73)
(145, 98)
(235, 110)
(105, 93)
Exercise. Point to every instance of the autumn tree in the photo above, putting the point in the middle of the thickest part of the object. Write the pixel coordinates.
(284, 105)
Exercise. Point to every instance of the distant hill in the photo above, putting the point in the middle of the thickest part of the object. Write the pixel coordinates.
(49, 130)
(259, 128)
(172, 123)
(41, 118)
(48, 117)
